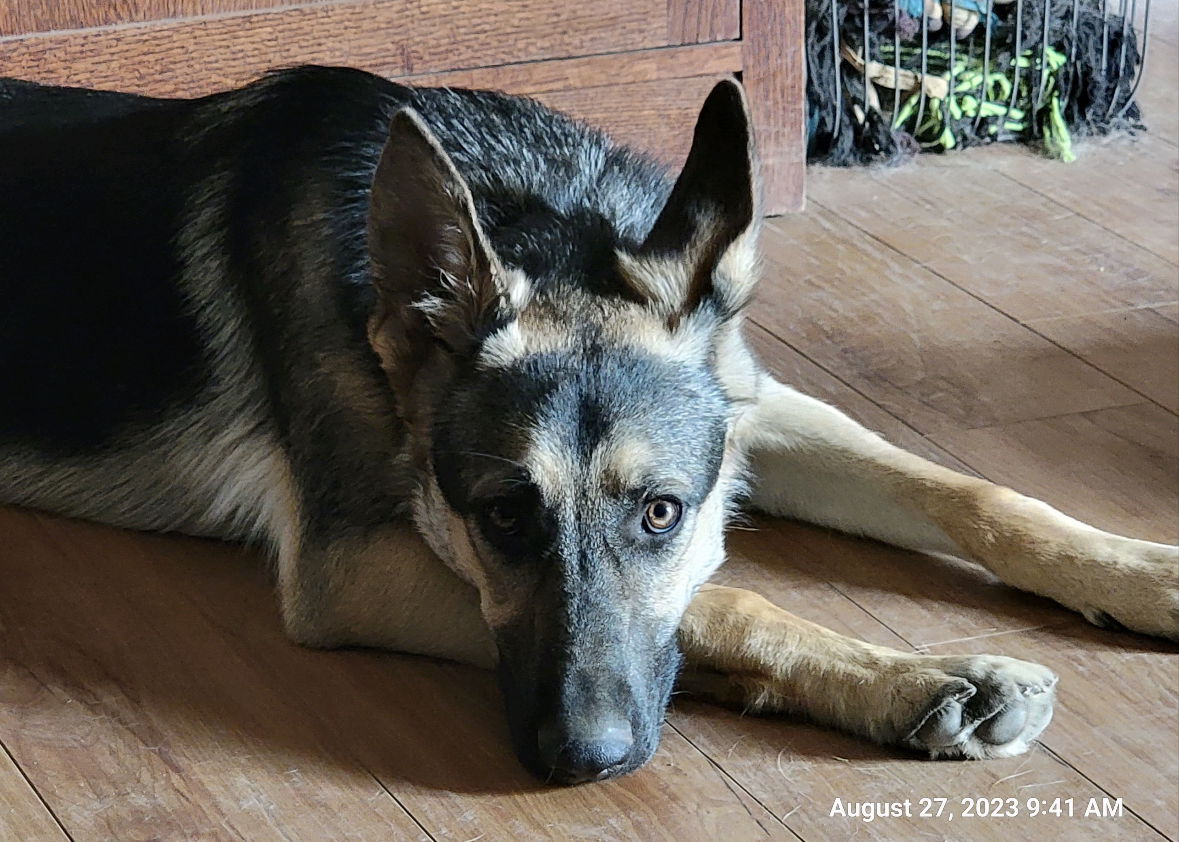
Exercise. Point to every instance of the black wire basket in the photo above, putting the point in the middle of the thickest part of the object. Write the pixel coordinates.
(888, 78)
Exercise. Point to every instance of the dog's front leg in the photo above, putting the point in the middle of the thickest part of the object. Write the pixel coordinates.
(387, 590)
(747, 653)
(813, 462)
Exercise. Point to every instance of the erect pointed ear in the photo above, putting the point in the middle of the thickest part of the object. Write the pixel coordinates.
(703, 244)
(434, 271)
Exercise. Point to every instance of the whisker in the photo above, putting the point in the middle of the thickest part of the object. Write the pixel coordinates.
(479, 455)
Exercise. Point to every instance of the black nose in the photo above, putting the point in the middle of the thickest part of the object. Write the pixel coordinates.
(584, 749)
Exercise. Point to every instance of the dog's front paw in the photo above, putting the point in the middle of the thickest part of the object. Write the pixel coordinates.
(1138, 590)
(978, 706)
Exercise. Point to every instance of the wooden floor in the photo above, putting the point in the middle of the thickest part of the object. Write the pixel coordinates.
(1009, 316)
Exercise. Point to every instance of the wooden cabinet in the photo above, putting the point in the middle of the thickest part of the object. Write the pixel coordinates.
(639, 68)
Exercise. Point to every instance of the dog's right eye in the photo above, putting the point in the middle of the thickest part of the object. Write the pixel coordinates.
(502, 516)
(514, 520)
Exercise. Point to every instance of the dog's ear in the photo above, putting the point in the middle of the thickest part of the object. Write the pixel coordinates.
(435, 273)
(704, 243)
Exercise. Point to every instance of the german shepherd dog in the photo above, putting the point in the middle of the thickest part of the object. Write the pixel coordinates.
(476, 375)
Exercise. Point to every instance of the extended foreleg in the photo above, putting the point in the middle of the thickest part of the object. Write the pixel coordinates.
(812, 462)
(745, 652)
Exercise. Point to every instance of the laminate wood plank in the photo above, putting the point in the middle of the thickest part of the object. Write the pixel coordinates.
(535, 77)
(1017, 250)
(698, 21)
(798, 771)
(773, 38)
(146, 683)
(1115, 468)
(30, 16)
(1116, 720)
(927, 352)
(1138, 347)
(22, 814)
(133, 715)
(390, 37)
(794, 369)
(1127, 185)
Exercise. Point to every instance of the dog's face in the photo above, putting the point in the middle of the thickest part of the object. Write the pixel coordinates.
(572, 448)
(578, 490)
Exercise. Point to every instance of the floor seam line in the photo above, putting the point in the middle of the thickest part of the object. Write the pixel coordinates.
(36, 792)
(1049, 198)
(730, 777)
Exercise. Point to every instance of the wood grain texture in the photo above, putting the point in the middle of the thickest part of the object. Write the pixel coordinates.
(22, 814)
(134, 712)
(1096, 186)
(648, 99)
(1008, 245)
(774, 74)
(1139, 347)
(147, 687)
(624, 110)
(798, 771)
(390, 37)
(793, 368)
(1115, 468)
(1116, 718)
(223, 43)
(536, 77)
(31, 16)
(700, 21)
(933, 355)
(600, 91)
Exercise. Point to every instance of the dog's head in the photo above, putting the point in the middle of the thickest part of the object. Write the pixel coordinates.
(572, 447)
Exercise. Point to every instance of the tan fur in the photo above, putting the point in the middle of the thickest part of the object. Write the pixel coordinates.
(519, 339)
(666, 281)
(748, 653)
(552, 468)
(389, 591)
(624, 459)
(706, 549)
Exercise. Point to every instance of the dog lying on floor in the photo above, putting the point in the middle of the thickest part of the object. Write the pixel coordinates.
(476, 375)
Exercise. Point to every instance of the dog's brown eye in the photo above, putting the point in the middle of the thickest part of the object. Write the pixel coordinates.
(661, 515)
(502, 518)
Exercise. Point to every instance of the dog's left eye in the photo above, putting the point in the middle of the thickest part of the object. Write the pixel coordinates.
(662, 515)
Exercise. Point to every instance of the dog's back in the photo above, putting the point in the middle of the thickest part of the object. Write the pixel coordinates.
(91, 330)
